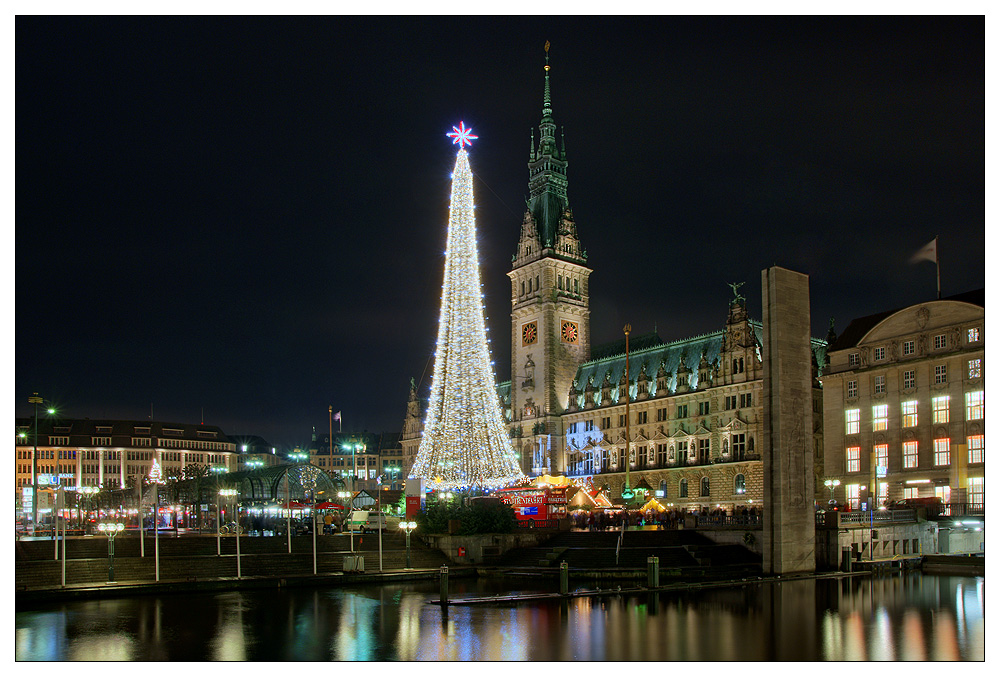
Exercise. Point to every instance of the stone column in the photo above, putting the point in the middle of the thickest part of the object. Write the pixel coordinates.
(787, 450)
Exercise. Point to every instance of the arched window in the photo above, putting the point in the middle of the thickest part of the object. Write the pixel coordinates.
(683, 489)
(704, 486)
(663, 488)
(739, 484)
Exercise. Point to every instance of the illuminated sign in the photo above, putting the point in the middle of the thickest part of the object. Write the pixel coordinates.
(881, 471)
(26, 497)
(48, 479)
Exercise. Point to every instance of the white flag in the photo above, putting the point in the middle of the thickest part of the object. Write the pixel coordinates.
(927, 253)
(336, 417)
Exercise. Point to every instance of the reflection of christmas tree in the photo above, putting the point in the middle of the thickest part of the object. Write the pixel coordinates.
(465, 442)
(155, 474)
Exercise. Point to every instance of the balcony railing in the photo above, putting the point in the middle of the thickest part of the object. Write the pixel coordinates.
(876, 517)
(748, 520)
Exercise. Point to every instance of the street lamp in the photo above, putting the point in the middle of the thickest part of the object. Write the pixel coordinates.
(87, 493)
(299, 456)
(112, 529)
(392, 470)
(344, 495)
(408, 527)
(355, 448)
(832, 484)
(35, 400)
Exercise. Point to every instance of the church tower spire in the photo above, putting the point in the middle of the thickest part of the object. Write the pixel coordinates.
(550, 302)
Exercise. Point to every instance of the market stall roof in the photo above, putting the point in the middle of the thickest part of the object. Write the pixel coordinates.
(556, 481)
(653, 504)
(327, 505)
(600, 498)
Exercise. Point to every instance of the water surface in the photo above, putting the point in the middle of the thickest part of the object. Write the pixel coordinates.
(902, 617)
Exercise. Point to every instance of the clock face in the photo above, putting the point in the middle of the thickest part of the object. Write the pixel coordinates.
(570, 332)
(529, 333)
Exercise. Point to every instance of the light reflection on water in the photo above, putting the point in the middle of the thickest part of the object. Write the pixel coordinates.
(909, 617)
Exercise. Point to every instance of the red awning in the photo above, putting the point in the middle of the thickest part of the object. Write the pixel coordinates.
(327, 505)
(294, 505)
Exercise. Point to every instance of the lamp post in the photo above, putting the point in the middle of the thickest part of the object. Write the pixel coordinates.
(218, 470)
(226, 493)
(343, 496)
(408, 527)
(112, 529)
(35, 400)
(87, 492)
(831, 485)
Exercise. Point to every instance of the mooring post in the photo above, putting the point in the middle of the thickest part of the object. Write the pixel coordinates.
(444, 585)
(653, 572)
(563, 578)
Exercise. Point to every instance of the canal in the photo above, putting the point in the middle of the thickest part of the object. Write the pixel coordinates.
(900, 617)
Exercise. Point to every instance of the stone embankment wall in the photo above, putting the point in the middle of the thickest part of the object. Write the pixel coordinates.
(483, 548)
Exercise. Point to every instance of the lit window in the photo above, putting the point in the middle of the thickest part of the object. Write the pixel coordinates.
(853, 492)
(883, 493)
(942, 451)
(853, 459)
(909, 379)
(940, 373)
(974, 405)
(908, 348)
(975, 368)
(974, 335)
(977, 444)
(853, 421)
(880, 417)
(977, 491)
(909, 414)
(940, 341)
(882, 456)
(939, 409)
(740, 484)
(852, 388)
(880, 353)
(910, 453)
(880, 385)
(911, 492)
(854, 359)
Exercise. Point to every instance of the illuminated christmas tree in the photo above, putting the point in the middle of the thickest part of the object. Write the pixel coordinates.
(155, 474)
(465, 443)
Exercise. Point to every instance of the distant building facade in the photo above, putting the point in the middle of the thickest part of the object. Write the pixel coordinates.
(114, 454)
(365, 456)
(904, 405)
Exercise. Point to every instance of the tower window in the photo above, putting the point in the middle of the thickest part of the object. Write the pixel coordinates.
(560, 282)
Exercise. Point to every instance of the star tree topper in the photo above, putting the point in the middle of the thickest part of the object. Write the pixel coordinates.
(462, 136)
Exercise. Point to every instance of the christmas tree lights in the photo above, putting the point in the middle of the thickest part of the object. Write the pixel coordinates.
(465, 443)
(155, 474)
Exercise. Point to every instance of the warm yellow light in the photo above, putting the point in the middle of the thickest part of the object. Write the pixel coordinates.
(465, 441)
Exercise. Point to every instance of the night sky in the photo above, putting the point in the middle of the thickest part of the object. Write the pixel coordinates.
(247, 216)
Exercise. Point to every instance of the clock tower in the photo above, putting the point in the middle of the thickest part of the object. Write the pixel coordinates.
(550, 304)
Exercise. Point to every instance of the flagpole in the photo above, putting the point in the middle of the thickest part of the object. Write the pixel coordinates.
(937, 266)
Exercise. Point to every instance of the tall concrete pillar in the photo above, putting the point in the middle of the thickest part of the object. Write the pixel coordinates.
(787, 451)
